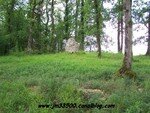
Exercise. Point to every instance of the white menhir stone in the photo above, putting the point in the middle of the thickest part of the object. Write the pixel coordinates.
(72, 46)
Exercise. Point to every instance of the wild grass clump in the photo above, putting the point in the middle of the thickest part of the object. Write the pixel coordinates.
(68, 92)
(16, 98)
(128, 98)
(49, 89)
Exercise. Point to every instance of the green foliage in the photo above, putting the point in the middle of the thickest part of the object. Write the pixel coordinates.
(141, 13)
(13, 22)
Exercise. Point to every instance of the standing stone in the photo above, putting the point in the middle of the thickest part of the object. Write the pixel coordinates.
(72, 46)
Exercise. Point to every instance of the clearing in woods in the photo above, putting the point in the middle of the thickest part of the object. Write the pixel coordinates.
(29, 80)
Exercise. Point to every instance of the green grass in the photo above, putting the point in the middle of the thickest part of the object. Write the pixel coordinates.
(29, 80)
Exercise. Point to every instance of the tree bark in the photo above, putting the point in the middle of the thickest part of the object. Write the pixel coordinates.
(31, 16)
(39, 24)
(98, 20)
(127, 61)
(118, 35)
(66, 20)
(52, 46)
(76, 19)
(120, 26)
(121, 33)
(47, 18)
(82, 25)
(128, 35)
(9, 19)
(30, 41)
(148, 48)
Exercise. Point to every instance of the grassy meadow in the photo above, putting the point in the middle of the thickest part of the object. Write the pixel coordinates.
(27, 81)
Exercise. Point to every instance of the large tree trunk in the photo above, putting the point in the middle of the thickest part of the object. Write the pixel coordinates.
(148, 48)
(127, 61)
(98, 20)
(128, 35)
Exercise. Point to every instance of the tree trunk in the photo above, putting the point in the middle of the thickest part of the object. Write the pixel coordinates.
(47, 46)
(98, 20)
(121, 47)
(52, 46)
(30, 41)
(148, 48)
(39, 25)
(31, 16)
(82, 25)
(118, 35)
(127, 61)
(47, 18)
(76, 19)
(120, 26)
(128, 35)
(9, 19)
(66, 20)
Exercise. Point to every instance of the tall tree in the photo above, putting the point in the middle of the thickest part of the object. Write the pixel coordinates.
(66, 19)
(9, 20)
(120, 25)
(98, 20)
(35, 25)
(76, 18)
(31, 16)
(59, 32)
(39, 14)
(122, 37)
(148, 48)
(117, 16)
(47, 10)
(46, 40)
(53, 43)
(82, 25)
(127, 61)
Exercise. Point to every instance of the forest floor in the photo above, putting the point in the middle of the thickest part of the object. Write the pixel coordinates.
(27, 81)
